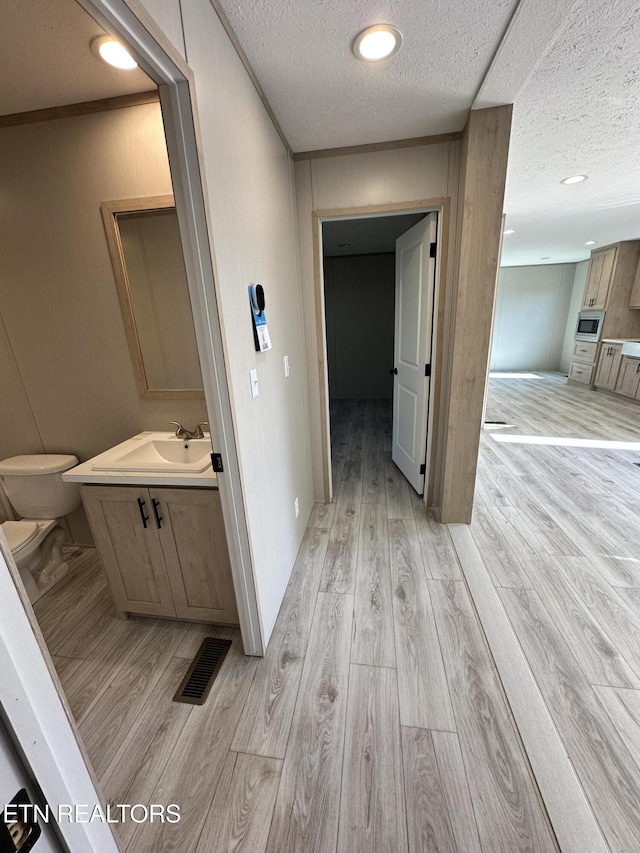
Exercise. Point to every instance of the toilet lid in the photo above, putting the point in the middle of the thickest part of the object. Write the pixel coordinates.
(19, 533)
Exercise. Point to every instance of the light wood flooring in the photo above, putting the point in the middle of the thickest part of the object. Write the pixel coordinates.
(375, 722)
(558, 528)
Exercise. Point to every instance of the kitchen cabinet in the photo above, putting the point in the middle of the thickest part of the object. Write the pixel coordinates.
(581, 372)
(164, 551)
(608, 366)
(628, 382)
(584, 351)
(610, 280)
(599, 278)
(634, 301)
(582, 361)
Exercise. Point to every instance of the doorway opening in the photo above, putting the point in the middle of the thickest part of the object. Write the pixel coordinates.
(90, 648)
(379, 289)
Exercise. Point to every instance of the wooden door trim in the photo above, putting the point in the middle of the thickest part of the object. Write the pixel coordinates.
(130, 20)
(441, 206)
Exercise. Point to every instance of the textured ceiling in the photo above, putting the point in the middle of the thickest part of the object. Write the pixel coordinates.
(579, 113)
(324, 97)
(571, 68)
(47, 59)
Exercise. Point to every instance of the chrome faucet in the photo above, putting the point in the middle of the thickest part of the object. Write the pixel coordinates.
(186, 434)
(198, 433)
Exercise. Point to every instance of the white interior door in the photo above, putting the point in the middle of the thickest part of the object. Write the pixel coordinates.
(415, 281)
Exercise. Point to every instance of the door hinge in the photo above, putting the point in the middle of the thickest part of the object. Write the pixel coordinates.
(427, 370)
(423, 468)
(216, 463)
(432, 250)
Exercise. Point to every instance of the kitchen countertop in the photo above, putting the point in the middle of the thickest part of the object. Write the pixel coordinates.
(85, 473)
(620, 340)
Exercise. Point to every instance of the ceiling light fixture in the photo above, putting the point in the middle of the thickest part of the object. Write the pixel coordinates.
(509, 231)
(378, 42)
(591, 242)
(574, 179)
(113, 53)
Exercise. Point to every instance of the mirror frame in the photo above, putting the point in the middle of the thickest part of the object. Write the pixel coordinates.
(110, 211)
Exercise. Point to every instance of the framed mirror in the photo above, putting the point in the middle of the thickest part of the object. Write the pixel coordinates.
(148, 264)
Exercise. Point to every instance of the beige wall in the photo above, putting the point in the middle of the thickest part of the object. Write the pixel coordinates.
(249, 178)
(360, 180)
(67, 382)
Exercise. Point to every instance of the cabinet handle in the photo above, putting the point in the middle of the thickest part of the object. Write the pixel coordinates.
(155, 504)
(638, 368)
(144, 517)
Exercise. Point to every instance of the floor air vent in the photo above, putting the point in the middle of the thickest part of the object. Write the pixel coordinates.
(496, 423)
(202, 673)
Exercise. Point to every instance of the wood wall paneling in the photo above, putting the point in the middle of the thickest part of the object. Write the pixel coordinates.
(619, 321)
(483, 174)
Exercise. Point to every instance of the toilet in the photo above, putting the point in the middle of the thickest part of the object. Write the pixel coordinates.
(34, 486)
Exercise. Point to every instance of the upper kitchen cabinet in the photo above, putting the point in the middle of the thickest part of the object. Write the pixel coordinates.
(610, 282)
(599, 278)
(635, 292)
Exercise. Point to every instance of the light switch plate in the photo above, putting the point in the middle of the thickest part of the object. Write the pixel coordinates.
(255, 389)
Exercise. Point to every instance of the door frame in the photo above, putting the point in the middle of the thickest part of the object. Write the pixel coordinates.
(161, 61)
(437, 205)
(31, 696)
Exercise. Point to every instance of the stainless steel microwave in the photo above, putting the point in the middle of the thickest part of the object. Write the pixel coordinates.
(589, 326)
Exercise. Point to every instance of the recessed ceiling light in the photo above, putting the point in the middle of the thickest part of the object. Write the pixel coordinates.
(509, 231)
(113, 53)
(378, 42)
(591, 242)
(574, 179)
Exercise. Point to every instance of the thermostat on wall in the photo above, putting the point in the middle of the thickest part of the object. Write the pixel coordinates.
(261, 337)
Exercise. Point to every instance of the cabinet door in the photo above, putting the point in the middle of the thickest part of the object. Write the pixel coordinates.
(593, 280)
(634, 302)
(195, 550)
(608, 366)
(606, 277)
(604, 367)
(629, 377)
(130, 552)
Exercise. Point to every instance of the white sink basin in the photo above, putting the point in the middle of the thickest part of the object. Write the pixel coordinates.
(631, 348)
(157, 452)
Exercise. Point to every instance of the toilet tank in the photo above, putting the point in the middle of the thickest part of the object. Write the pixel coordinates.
(35, 487)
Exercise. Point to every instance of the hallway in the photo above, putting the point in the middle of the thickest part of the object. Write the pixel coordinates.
(376, 721)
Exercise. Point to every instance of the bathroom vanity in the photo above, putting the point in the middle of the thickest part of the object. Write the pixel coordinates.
(159, 528)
